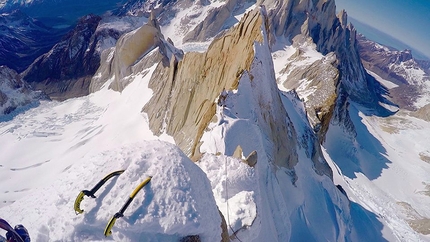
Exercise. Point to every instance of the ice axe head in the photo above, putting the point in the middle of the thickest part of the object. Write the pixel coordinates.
(78, 201)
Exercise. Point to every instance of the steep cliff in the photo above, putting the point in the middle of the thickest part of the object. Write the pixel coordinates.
(189, 102)
(134, 51)
(65, 71)
(215, 21)
(409, 77)
(301, 22)
(229, 94)
(345, 78)
(225, 101)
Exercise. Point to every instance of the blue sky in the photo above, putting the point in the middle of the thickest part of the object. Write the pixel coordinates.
(405, 20)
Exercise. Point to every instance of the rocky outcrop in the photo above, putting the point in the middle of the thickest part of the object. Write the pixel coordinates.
(399, 67)
(130, 47)
(184, 100)
(214, 22)
(134, 45)
(14, 92)
(65, 71)
(336, 40)
(133, 53)
(250, 160)
(315, 81)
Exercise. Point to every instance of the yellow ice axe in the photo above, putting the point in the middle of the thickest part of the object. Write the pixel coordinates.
(90, 193)
(126, 204)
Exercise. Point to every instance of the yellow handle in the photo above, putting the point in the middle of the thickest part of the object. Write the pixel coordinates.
(120, 213)
(137, 189)
(78, 201)
(109, 226)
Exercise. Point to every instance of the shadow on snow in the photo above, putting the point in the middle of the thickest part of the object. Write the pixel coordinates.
(361, 154)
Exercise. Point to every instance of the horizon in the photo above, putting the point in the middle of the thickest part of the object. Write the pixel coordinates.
(404, 22)
(385, 39)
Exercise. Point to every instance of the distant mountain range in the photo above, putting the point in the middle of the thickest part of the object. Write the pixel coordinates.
(67, 12)
(383, 38)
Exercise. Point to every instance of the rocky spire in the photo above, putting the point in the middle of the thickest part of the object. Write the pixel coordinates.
(185, 104)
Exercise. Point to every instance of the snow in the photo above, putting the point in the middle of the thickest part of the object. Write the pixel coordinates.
(77, 142)
(382, 169)
(384, 82)
(233, 185)
(424, 99)
(177, 202)
(283, 56)
(186, 20)
(53, 151)
(122, 24)
(379, 169)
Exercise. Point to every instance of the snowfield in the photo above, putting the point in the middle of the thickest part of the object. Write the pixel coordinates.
(177, 202)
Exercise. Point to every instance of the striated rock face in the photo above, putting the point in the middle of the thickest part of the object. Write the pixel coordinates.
(184, 100)
(15, 92)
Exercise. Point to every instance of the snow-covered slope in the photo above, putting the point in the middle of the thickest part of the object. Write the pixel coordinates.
(298, 190)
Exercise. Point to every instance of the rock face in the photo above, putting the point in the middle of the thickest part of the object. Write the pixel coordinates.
(184, 102)
(408, 75)
(214, 21)
(336, 40)
(65, 71)
(132, 54)
(299, 22)
(132, 46)
(315, 81)
(14, 92)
